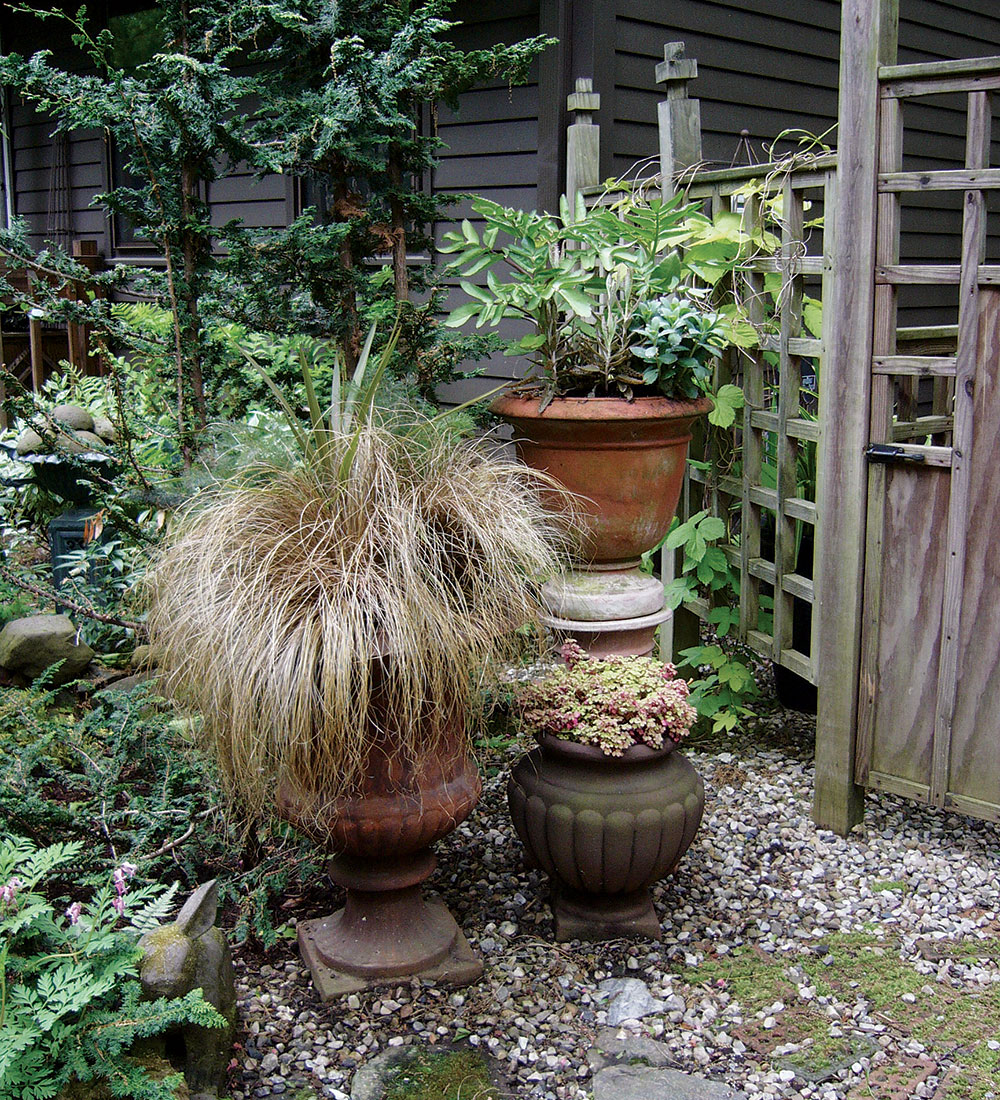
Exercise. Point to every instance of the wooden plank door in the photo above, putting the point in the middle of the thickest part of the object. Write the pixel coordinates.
(928, 720)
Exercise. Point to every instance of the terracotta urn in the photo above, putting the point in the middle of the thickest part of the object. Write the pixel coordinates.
(604, 829)
(381, 835)
(623, 459)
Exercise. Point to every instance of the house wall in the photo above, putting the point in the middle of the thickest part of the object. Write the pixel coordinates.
(765, 66)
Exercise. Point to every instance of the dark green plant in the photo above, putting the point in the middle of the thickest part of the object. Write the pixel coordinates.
(71, 1004)
(585, 280)
(725, 688)
(123, 778)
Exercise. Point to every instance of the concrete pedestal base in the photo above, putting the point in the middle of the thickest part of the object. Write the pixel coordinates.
(387, 931)
(610, 612)
(596, 917)
(613, 637)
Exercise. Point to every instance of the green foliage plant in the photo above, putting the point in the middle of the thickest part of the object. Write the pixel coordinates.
(389, 538)
(71, 1003)
(123, 768)
(331, 95)
(612, 703)
(618, 294)
(725, 690)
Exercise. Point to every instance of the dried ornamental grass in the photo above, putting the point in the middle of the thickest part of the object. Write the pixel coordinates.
(270, 603)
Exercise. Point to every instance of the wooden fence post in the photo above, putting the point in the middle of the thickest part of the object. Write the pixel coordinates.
(85, 253)
(868, 39)
(679, 117)
(583, 140)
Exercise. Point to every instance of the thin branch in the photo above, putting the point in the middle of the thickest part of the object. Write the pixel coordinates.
(58, 597)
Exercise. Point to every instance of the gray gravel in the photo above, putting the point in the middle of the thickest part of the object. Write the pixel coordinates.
(759, 873)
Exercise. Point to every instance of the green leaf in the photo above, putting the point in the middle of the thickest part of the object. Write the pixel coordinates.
(463, 313)
(725, 403)
(711, 527)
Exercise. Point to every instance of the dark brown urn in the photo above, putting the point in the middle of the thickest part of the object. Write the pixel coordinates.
(604, 829)
(623, 459)
(381, 835)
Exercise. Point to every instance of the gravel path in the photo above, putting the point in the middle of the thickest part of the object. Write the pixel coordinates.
(759, 873)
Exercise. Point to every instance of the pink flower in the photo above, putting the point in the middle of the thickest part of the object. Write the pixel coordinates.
(74, 911)
(121, 876)
(118, 904)
(8, 893)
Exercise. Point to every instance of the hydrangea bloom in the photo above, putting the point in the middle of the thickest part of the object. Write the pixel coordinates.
(610, 702)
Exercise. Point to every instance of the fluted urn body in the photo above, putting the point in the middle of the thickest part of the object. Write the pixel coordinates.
(604, 829)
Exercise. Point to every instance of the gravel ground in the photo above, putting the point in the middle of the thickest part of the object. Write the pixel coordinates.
(759, 873)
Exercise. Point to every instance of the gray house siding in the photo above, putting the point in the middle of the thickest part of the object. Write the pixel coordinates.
(765, 66)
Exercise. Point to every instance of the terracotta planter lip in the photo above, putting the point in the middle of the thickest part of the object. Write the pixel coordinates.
(573, 750)
(599, 408)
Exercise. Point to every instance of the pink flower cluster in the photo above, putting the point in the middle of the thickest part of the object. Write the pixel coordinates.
(610, 702)
(120, 879)
(8, 892)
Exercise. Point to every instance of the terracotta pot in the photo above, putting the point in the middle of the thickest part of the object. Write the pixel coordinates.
(604, 829)
(625, 460)
(381, 835)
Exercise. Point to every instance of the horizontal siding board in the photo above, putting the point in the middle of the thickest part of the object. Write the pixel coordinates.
(520, 136)
(470, 173)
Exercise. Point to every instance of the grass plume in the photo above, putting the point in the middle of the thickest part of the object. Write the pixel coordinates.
(271, 600)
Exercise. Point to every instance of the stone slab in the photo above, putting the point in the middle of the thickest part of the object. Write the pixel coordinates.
(646, 1083)
(616, 1047)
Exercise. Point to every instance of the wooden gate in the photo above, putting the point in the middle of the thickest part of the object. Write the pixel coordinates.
(917, 714)
(928, 723)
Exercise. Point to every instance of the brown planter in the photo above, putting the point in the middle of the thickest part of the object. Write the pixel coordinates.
(625, 460)
(381, 836)
(604, 829)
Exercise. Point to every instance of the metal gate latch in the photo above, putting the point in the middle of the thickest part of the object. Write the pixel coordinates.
(886, 452)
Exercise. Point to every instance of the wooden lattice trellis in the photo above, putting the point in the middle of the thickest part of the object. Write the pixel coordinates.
(766, 516)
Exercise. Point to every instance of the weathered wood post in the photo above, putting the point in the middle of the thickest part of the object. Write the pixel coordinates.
(583, 140)
(868, 39)
(679, 117)
(679, 121)
(85, 253)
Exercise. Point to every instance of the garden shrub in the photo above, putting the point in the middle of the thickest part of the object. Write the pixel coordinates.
(124, 771)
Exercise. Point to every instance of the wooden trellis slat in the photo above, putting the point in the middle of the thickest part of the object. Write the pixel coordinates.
(977, 154)
(778, 432)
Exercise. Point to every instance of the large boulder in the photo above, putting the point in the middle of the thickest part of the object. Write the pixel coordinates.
(30, 646)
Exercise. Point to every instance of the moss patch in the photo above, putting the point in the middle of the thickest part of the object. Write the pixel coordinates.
(444, 1075)
(953, 1024)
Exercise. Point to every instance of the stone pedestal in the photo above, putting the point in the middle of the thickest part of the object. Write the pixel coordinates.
(387, 930)
(609, 611)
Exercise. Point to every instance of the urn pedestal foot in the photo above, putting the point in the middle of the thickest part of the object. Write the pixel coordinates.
(595, 917)
(387, 930)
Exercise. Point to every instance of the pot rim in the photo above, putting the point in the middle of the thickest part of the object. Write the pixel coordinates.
(574, 750)
(598, 408)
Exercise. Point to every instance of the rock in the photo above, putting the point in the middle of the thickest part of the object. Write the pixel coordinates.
(631, 1000)
(30, 646)
(28, 442)
(372, 1078)
(83, 442)
(73, 416)
(610, 1049)
(644, 1083)
(143, 657)
(105, 429)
